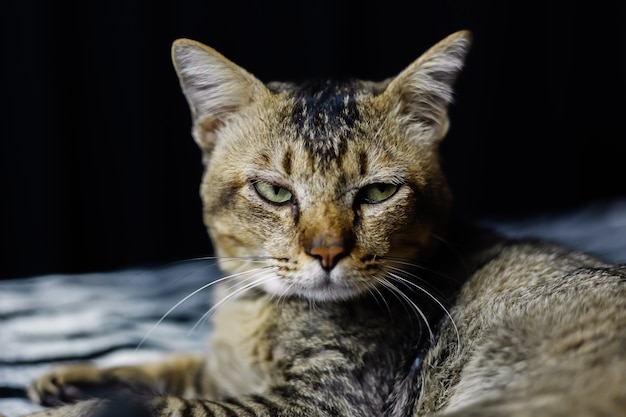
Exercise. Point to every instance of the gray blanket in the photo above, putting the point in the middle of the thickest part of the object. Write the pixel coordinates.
(123, 317)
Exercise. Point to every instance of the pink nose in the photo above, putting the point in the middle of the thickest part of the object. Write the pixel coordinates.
(328, 255)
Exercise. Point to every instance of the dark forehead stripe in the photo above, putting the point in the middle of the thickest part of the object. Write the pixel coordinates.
(324, 113)
(363, 163)
(287, 162)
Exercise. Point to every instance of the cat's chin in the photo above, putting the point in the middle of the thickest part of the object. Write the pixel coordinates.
(319, 288)
(321, 294)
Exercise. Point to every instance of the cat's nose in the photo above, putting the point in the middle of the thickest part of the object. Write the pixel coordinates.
(328, 255)
(330, 246)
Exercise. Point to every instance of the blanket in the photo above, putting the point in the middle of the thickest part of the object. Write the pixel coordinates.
(141, 314)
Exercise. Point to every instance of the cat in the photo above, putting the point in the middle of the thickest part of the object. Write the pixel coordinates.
(351, 290)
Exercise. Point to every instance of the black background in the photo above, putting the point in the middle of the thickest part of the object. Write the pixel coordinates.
(98, 170)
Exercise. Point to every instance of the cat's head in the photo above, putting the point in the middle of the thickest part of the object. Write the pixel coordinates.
(328, 187)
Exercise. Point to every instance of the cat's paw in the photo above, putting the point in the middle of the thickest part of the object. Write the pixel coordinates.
(89, 408)
(68, 384)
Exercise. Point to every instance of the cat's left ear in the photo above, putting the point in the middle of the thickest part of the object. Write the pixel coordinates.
(422, 92)
(215, 88)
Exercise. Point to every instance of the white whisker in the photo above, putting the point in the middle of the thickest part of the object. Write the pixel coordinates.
(401, 261)
(283, 294)
(415, 284)
(402, 296)
(373, 290)
(431, 296)
(210, 258)
(233, 295)
(188, 297)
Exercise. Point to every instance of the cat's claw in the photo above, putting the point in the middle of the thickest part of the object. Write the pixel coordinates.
(58, 396)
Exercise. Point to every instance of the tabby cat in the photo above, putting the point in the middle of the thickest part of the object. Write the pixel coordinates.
(351, 293)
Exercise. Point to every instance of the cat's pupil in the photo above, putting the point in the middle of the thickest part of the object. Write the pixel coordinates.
(273, 193)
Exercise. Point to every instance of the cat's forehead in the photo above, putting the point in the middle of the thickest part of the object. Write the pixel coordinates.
(325, 114)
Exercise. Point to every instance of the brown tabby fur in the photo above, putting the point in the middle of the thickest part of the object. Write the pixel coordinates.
(326, 313)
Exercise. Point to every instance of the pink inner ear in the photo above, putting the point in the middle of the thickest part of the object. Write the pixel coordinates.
(210, 124)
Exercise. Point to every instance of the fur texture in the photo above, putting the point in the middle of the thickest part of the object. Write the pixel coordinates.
(327, 207)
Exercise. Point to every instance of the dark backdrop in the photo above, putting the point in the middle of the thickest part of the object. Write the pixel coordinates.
(98, 170)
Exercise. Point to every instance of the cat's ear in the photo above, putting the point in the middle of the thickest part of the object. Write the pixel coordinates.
(422, 92)
(215, 88)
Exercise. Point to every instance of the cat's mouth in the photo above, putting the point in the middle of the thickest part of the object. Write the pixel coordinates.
(316, 285)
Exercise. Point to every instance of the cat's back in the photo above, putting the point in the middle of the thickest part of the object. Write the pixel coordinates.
(541, 329)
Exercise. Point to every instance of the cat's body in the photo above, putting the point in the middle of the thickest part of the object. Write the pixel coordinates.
(542, 332)
(327, 205)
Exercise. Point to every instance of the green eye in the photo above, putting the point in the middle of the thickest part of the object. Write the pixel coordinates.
(272, 193)
(378, 192)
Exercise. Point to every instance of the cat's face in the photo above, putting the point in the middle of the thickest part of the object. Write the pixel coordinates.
(324, 190)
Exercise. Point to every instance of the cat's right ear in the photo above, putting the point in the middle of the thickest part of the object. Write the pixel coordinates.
(215, 88)
(423, 91)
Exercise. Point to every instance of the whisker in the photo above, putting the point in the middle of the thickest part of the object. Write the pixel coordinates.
(373, 290)
(408, 282)
(180, 277)
(402, 261)
(158, 268)
(402, 296)
(256, 258)
(285, 293)
(242, 282)
(385, 120)
(185, 299)
(234, 295)
(209, 258)
(429, 288)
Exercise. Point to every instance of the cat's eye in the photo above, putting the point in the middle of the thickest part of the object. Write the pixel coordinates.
(272, 193)
(377, 192)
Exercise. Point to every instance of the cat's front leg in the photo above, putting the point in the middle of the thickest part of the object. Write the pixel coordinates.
(178, 375)
(293, 405)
